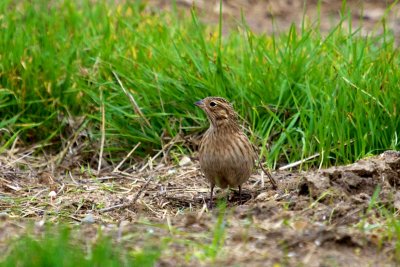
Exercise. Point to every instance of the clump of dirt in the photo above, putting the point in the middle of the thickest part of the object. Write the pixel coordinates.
(330, 217)
(356, 182)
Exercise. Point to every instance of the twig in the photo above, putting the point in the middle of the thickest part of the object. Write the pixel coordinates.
(72, 178)
(167, 148)
(135, 106)
(103, 135)
(60, 157)
(126, 157)
(61, 189)
(164, 150)
(10, 164)
(262, 180)
(344, 218)
(299, 162)
(115, 177)
(271, 179)
(130, 203)
(14, 144)
(151, 159)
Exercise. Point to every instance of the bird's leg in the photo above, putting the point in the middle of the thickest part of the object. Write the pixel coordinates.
(210, 203)
(228, 194)
(240, 194)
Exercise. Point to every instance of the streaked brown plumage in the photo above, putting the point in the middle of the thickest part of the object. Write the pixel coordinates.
(226, 154)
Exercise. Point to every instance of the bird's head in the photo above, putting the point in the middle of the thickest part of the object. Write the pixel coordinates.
(219, 111)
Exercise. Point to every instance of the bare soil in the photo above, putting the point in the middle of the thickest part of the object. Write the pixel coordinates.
(316, 218)
(268, 16)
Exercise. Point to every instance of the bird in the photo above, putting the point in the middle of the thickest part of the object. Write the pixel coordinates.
(226, 155)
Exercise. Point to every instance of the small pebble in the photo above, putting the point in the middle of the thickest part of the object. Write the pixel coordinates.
(185, 161)
(89, 219)
(171, 171)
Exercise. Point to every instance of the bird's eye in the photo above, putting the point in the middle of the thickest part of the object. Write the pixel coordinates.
(212, 104)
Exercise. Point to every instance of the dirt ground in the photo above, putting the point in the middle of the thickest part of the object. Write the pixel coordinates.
(315, 218)
(267, 16)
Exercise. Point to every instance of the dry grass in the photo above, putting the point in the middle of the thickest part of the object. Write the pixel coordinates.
(313, 217)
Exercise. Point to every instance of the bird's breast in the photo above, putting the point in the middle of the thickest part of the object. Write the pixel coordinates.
(226, 155)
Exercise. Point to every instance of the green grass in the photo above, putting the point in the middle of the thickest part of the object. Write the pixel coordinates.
(301, 92)
(58, 247)
(381, 220)
(144, 244)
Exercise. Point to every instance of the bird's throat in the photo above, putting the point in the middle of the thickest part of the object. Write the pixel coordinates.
(224, 126)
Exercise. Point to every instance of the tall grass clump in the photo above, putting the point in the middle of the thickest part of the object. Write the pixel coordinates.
(301, 92)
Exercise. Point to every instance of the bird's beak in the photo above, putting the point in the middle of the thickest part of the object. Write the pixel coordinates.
(200, 103)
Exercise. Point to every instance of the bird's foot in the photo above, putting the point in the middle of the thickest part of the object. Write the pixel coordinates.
(210, 204)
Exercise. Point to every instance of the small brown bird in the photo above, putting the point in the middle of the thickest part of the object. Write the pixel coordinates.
(226, 154)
